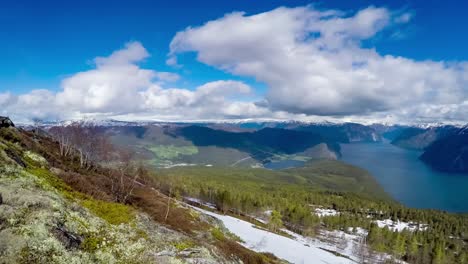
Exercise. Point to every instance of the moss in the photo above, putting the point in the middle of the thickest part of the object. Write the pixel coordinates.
(92, 243)
(34, 160)
(183, 245)
(217, 234)
(51, 180)
(10, 134)
(140, 234)
(113, 213)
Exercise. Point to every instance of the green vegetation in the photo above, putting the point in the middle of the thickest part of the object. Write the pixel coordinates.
(275, 222)
(113, 213)
(293, 195)
(169, 152)
(52, 210)
(183, 245)
(217, 234)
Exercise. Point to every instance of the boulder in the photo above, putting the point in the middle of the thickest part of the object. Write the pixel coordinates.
(5, 122)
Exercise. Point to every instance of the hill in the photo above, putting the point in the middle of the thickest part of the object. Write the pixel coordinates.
(169, 145)
(56, 209)
(449, 153)
(420, 138)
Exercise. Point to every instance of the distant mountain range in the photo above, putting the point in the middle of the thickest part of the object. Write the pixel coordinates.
(194, 144)
(250, 143)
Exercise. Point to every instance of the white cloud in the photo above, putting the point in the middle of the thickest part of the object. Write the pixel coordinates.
(5, 99)
(167, 76)
(212, 100)
(313, 62)
(133, 52)
(118, 86)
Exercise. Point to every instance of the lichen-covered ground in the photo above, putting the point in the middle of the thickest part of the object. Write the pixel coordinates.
(43, 220)
(39, 225)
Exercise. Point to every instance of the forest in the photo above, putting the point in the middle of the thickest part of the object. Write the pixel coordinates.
(250, 192)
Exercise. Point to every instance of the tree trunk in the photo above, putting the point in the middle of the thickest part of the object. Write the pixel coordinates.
(168, 205)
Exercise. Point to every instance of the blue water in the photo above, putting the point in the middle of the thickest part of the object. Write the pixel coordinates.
(407, 179)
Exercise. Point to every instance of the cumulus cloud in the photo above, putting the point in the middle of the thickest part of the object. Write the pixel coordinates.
(314, 63)
(118, 86)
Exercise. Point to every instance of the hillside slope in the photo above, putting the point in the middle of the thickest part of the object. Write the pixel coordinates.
(421, 138)
(54, 211)
(449, 153)
(165, 146)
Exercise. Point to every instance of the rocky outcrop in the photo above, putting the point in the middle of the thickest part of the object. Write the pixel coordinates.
(5, 122)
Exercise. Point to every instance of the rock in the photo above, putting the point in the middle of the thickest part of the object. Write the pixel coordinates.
(6, 122)
(1, 199)
(69, 240)
(166, 253)
(186, 253)
(15, 157)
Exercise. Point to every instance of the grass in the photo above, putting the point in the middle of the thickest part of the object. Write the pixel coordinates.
(113, 213)
(51, 180)
(168, 152)
(183, 245)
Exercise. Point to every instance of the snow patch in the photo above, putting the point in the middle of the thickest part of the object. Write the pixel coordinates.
(295, 250)
(325, 212)
(400, 225)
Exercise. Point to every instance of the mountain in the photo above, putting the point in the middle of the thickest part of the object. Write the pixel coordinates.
(343, 133)
(171, 144)
(420, 138)
(260, 144)
(337, 132)
(449, 153)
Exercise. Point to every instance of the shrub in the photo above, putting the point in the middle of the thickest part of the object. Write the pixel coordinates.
(183, 245)
(217, 234)
(10, 134)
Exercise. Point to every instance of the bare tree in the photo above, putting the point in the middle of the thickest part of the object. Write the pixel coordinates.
(361, 250)
(37, 123)
(126, 176)
(87, 142)
(168, 203)
(63, 137)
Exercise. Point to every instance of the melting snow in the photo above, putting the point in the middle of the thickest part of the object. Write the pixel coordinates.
(325, 212)
(297, 250)
(400, 226)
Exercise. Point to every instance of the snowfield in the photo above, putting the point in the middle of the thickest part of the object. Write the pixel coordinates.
(292, 250)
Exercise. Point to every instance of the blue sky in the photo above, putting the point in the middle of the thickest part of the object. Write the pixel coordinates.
(44, 42)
